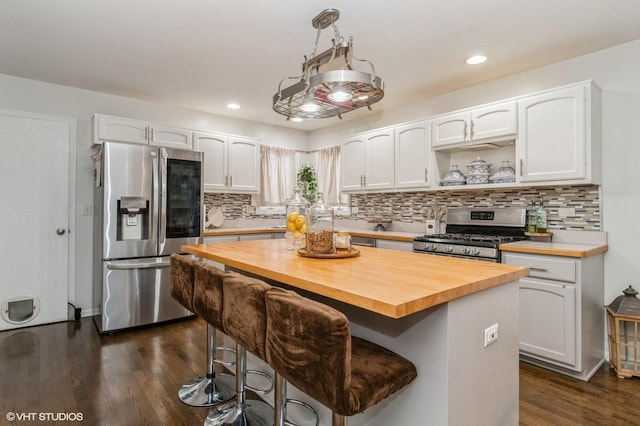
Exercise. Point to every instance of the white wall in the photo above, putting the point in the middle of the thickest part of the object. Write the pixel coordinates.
(617, 72)
(43, 98)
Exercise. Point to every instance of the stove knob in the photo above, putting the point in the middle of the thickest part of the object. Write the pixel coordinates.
(449, 249)
(433, 247)
(476, 251)
(466, 250)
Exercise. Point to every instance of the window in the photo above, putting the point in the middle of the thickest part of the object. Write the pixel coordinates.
(278, 170)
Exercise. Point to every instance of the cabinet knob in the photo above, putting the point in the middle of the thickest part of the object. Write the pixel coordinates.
(60, 231)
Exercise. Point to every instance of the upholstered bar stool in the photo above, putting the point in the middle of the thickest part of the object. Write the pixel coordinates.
(244, 320)
(310, 345)
(186, 275)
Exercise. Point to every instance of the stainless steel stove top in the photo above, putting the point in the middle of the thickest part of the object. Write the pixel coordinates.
(475, 233)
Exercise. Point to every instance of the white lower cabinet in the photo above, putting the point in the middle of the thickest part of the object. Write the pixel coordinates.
(552, 335)
(561, 312)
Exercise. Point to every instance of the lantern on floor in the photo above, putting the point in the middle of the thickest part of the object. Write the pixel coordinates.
(623, 329)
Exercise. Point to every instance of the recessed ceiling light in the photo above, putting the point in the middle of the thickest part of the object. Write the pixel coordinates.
(233, 106)
(476, 59)
(296, 119)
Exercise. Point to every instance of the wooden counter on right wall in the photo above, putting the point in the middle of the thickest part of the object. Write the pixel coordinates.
(561, 303)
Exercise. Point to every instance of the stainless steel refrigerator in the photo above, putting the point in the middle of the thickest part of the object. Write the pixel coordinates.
(148, 203)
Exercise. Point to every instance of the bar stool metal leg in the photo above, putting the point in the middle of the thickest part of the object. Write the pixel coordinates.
(242, 412)
(281, 401)
(211, 389)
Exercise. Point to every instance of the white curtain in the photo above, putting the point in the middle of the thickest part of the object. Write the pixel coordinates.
(329, 173)
(278, 176)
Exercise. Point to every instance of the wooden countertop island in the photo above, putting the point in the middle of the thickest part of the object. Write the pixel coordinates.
(433, 310)
(390, 283)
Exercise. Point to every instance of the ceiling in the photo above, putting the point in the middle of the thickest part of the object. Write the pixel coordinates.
(203, 54)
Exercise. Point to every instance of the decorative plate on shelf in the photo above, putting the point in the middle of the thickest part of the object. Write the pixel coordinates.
(215, 218)
(353, 252)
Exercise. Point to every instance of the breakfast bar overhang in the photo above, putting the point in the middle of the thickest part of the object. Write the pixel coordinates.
(433, 310)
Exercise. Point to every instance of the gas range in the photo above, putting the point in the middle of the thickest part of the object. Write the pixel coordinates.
(475, 233)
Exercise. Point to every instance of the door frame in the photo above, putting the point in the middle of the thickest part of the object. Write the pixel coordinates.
(71, 227)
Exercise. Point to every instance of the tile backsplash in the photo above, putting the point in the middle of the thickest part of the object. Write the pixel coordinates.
(568, 207)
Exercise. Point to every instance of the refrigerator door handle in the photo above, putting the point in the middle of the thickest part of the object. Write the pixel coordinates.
(119, 266)
(155, 202)
(162, 229)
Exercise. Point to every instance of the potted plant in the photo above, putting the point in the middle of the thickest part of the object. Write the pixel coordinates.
(308, 182)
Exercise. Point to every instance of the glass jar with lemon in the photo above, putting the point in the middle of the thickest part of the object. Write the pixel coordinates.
(296, 217)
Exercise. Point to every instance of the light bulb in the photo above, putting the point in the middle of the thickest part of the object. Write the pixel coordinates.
(340, 95)
(310, 106)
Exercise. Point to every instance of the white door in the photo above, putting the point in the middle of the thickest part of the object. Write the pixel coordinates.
(34, 217)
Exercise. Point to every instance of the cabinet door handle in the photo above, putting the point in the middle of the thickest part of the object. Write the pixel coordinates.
(533, 268)
(426, 175)
(230, 181)
(146, 133)
(365, 180)
(521, 167)
(153, 135)
(471, 131)
(465, 130)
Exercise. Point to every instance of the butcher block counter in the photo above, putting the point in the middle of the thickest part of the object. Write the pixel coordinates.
(433, 310)
(555, 248)
(390, 283)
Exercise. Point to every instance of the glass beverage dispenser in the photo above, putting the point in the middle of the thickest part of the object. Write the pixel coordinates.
(296, 219)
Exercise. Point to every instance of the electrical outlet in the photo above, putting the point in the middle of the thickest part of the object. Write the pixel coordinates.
(490, 335)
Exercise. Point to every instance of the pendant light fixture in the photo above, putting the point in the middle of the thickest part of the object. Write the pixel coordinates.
(329, 86)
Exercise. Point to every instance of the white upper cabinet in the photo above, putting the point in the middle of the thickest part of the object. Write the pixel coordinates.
(413, 153)
(493, 122)
(244, 165)
(170, 137)
(380, 160)
(352, 163)
(231, 163)
(117, 129)
(367, 162)
(214, 147)
(559, 137)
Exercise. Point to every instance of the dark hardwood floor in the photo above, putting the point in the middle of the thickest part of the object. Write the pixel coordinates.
(132, 378)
